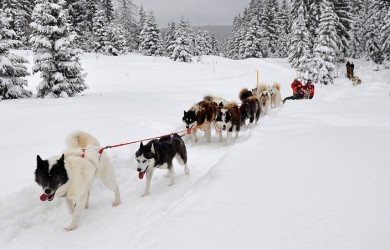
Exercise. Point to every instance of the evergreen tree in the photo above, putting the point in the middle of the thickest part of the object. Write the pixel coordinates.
(343, 27)
(169, 39)
(215, 48)
(100, 32)
(11, 66)
(282, 30)
(386, 40)
(20, 13)
(359, 11)
(182, 49)
(115, 43)
(108, 9)
(326, 46)
(140, 24)
(251, 43)
(125, 17)
(373, 46)
(299, 41)
(54, 53)
(150, 38)
(271, 7)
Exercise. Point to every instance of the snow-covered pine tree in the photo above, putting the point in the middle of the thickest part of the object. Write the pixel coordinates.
(373, 46)
(100, 32)
(182, 50)
(54, 53)
(108, 9)
(271, 7)
(359, 11)
(125, 17)
(386, 40)
(282, 30)
(343, 27)
(326, 46)
(233, 42)
(140, 24)
(12, 67)
(169, 39)
(299, 40)
(252, 41)
(115, 41)
(20, 13)
(150, 38)
(215, 47)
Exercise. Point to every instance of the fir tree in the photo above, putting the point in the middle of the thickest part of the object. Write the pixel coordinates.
(150, 38)
(108, 9)
(100, 32)
(115, 43)
(373, 46)
(326, 46)
(182, 49)
(54, 53)
(282, 30)
(359, 11)
(343, 27)
(299, 41)
(140, 24)
(169, 39)
(125, 17)
(11, 66)
(386, 40)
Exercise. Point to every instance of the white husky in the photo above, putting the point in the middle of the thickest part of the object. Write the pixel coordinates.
(264, 97)
(72, 174)
(276, 97)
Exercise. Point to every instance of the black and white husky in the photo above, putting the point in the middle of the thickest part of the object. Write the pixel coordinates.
(71, 174)
(159, 153)
(229, 120)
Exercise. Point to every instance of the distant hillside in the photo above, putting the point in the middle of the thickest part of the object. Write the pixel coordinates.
(220, 31)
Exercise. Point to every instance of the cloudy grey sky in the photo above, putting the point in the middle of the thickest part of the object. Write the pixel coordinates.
(198, 12)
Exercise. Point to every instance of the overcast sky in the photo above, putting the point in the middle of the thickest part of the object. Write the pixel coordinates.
(198, 12)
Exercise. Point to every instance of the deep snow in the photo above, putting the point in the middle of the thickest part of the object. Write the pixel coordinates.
(312, 174)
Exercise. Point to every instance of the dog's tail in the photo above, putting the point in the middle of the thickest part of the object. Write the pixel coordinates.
(262, 87)
(277, 86)
(244, 93)
(80, 139)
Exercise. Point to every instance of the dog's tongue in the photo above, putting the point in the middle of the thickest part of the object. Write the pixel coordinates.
(43, 197)
(141, 175)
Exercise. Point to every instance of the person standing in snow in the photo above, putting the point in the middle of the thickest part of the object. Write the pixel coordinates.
(348, 66)
(309, 87)
(296, 85)
(352, 66)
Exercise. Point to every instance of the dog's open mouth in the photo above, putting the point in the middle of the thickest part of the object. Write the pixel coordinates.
(141, 174)
(48, 197)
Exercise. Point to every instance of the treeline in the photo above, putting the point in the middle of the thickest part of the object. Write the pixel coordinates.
(313, 34)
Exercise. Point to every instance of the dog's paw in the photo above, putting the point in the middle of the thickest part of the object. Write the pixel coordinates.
(70, 228)
(171, 185)
(145, 194)
(166, 175)
(187, 171)
(116, 203)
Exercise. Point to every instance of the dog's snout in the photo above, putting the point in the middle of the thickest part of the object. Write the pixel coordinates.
(139, 169)
(47, 191)
(187, 127)
(224, 126)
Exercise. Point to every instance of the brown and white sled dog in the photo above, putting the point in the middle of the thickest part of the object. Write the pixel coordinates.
(228, 119)
(356, 80)
(201, 114)
(264, 97)
(250, 109)
(276, 97)
(159, 153)
(71, 174)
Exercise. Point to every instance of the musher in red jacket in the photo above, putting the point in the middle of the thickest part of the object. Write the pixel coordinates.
(296, 85)
(309, 87)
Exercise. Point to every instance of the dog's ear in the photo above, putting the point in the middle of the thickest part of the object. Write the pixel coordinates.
(185, 113)
(61, 158)
(152, 149)
(141, 145)
(39, 159)
(220, 104)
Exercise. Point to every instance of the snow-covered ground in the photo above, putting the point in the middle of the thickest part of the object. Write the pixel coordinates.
(313, 174)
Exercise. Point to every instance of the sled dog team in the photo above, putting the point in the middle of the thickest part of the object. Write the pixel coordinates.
(71, 174)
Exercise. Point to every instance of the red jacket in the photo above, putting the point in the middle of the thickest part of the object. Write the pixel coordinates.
(296, 86)
(309, 87)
